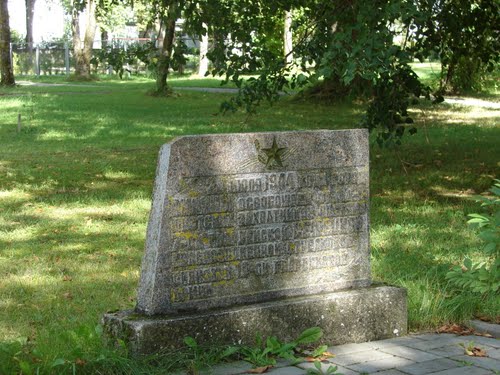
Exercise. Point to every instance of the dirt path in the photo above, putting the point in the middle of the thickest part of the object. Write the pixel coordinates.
(473, 102)
(464, 101)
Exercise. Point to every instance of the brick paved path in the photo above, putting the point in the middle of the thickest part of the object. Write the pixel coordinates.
(437, 354)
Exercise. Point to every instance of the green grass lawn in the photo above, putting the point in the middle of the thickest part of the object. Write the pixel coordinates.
(75, 192)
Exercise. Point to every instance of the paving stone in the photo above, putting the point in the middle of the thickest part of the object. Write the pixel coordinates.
(466, 370)
(231, 368)
(438, 343)
(381, 364)
(325, 366)
(484, 362)
(281, 362)
(398, 356)
(433, 336)
(289, 370)
(406, 341)
(448, 351)
(495, 353)
(391, 372)
(485, 327)
(409, 353)
(422, 368)
(359, 357)
(351, 348)
(495, 343)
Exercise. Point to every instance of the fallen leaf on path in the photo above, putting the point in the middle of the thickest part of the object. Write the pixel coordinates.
(488, 319)
(323, 357)
(476, 352)
(259, 370)
(456, 329)
(460, 330)
(484, 334)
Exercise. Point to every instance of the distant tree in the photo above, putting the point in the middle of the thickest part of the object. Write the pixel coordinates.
(169, 12)
(92, 10)
(6, 71)
(465, 35)
(288, 37)
(30, 12)
(162, 16)
(203, 58)
(82, 50)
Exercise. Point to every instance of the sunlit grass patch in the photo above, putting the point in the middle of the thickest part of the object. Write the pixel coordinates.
(453, 114)
(14, 195)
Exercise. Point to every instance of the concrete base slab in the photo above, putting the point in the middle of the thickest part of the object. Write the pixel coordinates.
(356, 315)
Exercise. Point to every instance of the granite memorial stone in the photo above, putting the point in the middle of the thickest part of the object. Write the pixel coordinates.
(254, 227)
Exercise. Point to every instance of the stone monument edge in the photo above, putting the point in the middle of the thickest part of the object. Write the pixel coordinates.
(152, 243)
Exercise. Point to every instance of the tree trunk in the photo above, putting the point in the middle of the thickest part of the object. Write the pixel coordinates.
(30, 11)
(287, 37)
(104, 38)
(148, 31)
(6, 72)
(219, 44)
(447, 72)
(166, 51)
(83, 51)
(203, 65)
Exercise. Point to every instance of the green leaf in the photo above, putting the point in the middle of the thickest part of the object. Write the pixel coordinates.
(229, 351)
(309, 335)
(301, 79)
(319, 350)
(468, 263)
(58, 362)
(286, 348)
(490, 248)
(25, 368)
(495, 190)
(273, 343)
(478, 216)
(121, 344)
(98, 330)
(477, 220)
(191, 342)
(488, 235)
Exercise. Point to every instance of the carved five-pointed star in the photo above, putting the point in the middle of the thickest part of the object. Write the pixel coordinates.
(274, 154)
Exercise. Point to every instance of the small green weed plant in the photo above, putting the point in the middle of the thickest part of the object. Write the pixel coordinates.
(317, 370)
(202, 356)
(483, 277)
(265, 353)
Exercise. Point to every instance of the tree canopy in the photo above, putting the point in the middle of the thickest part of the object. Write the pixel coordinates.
(347, 48)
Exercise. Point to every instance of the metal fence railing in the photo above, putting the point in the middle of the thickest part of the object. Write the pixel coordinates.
(46, 59)
(58, 59)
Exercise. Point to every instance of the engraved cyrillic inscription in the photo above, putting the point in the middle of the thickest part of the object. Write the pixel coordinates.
(233, 228)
